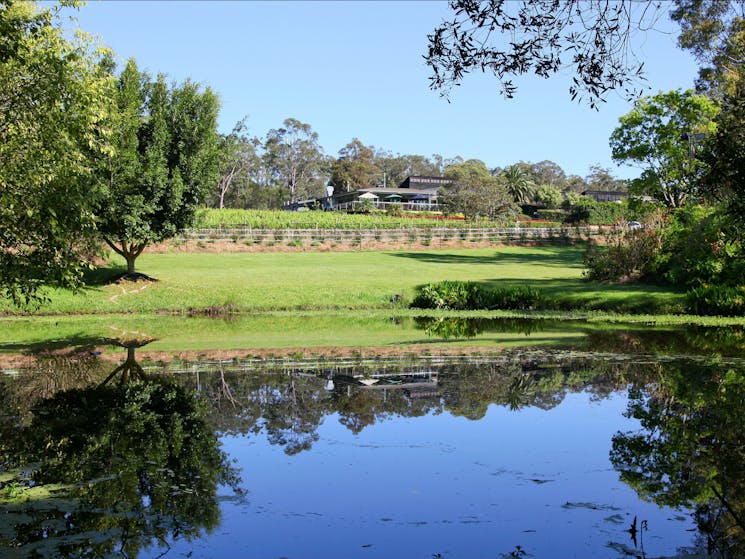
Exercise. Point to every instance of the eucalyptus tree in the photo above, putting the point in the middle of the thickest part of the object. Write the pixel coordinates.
(295, 159)
(165, 158)
(52, 111)
(238, 158)
(355, 168)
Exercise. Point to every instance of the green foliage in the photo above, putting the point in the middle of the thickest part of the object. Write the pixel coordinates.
(139, 461)
(726, 159)
(294, 159)
(551, 215)
(458, 295)
(716, 300)
(475, 193)
(660, 136)
(700, 248)
(549, 196)
(628, 254)
(52, 110)
(165, 158)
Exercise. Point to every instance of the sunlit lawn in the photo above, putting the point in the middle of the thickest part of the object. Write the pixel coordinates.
(347, 280)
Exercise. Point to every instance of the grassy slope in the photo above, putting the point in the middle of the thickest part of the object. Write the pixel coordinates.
(334, 280)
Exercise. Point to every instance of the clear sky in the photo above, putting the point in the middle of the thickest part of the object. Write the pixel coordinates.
(354, 69)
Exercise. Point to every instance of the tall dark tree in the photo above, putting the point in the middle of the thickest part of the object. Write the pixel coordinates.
(164, 160)
(355, 168)
(726, 157)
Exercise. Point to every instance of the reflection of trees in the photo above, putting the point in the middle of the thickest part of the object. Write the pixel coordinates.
(137, 465)
(691, 449)
(460, 328)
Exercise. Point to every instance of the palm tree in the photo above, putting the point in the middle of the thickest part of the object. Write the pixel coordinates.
(518, 183)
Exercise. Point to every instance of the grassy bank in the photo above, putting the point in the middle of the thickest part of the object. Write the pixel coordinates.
(348, 280)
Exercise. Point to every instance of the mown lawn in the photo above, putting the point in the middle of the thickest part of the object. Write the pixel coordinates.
(346, 280)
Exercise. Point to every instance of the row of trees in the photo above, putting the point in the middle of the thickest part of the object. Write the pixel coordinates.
(288, 164)
(87, 154)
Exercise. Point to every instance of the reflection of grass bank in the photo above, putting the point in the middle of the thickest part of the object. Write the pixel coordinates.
(381, 332)
(350, 280)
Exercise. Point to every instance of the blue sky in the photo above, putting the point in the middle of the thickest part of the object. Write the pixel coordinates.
(355, 69)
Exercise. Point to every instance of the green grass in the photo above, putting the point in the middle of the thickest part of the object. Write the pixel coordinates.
(388, 330)
(347, 280)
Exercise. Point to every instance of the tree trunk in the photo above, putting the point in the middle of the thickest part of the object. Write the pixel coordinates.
(130, 262)
(129, 252)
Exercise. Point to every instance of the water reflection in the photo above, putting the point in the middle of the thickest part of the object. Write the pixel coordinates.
(101, 463)
(109, 469)
(690, 450)
(617, 338)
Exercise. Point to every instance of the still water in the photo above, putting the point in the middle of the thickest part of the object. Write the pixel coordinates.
(526, 454)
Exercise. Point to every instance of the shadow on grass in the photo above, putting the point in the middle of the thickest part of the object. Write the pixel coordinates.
(546, 256)
(76, 343)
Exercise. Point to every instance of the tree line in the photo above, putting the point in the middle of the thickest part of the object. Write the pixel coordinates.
(288, 165)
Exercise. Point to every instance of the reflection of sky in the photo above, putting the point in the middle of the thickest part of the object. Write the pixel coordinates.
(441, 484)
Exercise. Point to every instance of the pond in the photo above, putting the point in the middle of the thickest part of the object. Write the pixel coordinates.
(633, 449)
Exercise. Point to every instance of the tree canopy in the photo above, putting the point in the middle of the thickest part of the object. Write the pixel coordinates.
(165, 157)
(660, 136)
(474, 192)
(52, 120)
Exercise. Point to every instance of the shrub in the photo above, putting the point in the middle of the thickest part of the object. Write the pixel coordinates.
(551, 215)
(458, 295)
(454, 295)
(716, 300)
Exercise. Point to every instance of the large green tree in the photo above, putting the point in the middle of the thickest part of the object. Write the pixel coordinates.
(474, 192)
(164, 160)
(52, 93)
(659, 136)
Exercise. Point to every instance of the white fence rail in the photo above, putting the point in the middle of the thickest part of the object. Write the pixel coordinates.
(419, 234)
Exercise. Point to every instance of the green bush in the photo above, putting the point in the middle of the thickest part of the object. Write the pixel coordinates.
(716, 300)
(454, 295)
(458, 295)
(552, 215)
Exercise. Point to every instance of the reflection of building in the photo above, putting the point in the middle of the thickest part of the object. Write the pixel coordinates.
(416, 193)
(415, 384)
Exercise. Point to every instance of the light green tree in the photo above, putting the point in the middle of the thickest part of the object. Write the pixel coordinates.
(549, 196)
(165, 158)
(475, 193)
(661, 135)
(52, 116)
